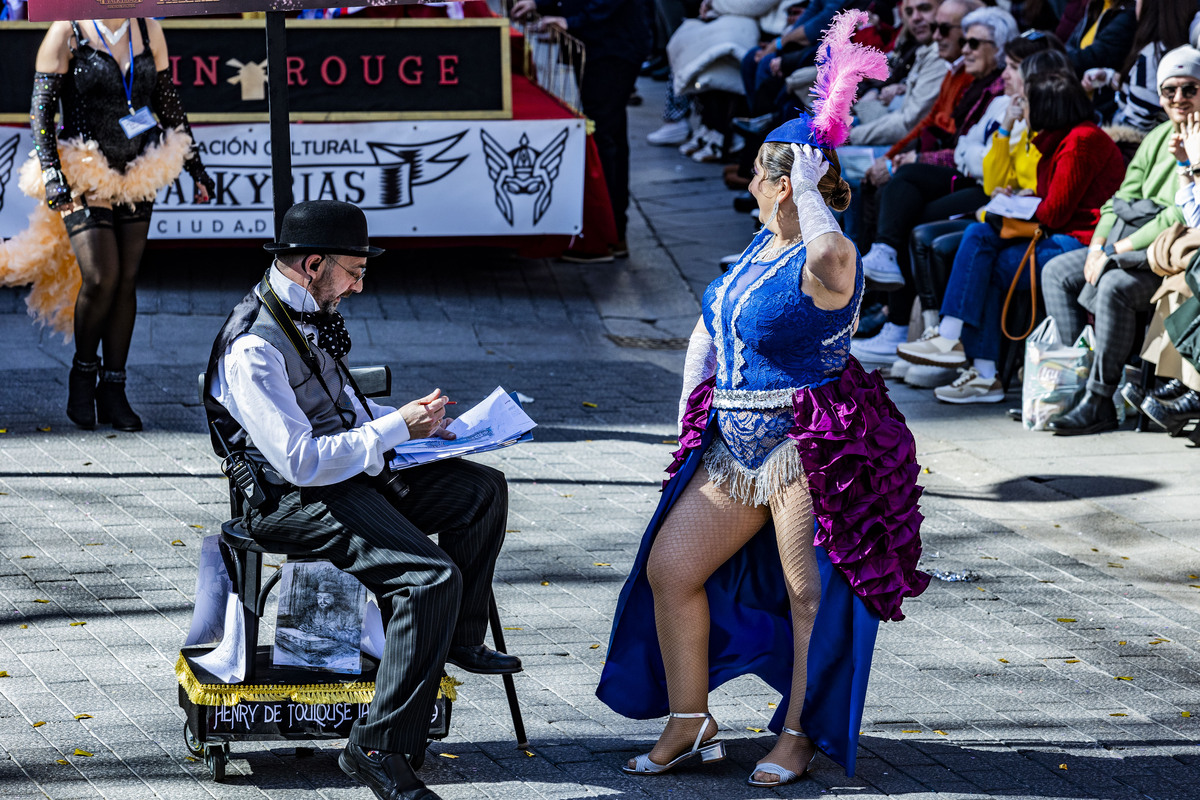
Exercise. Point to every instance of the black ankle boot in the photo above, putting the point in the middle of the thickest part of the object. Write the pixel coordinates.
(1094, 414)
(111, 404)
(81, 393)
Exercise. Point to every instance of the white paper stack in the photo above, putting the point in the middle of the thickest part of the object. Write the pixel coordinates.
(496, 422)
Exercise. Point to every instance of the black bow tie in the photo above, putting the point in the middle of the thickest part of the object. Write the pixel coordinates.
(332, 336)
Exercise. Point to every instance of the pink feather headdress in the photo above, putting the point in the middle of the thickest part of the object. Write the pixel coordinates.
(841, 66)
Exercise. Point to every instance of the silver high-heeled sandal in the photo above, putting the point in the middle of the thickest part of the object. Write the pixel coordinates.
(710, 752)
(784, 774)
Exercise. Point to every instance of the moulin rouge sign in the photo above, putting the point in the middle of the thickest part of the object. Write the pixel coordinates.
(336, 69)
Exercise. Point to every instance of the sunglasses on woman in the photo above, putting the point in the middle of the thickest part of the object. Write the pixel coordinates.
(1189, 90)
(975, 44)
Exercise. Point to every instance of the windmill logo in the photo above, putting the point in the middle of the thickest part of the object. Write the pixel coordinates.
(523, 171)
(252, 77)
(8, 157)
(404, 166)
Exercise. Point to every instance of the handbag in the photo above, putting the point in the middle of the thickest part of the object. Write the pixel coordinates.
(1022, 229)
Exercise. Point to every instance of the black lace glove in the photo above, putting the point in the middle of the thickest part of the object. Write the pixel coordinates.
(42, 113)
(169, 108)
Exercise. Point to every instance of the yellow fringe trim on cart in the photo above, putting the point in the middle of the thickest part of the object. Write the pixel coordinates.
(41, 254)
(216, 694)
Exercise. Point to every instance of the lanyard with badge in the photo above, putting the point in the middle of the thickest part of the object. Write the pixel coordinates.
(140, 121)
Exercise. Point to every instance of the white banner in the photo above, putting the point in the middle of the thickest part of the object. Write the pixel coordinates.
(434, 178)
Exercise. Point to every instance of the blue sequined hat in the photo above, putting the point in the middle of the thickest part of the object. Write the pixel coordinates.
(796, 131)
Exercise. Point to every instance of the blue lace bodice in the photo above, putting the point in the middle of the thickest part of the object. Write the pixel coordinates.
(768, 334)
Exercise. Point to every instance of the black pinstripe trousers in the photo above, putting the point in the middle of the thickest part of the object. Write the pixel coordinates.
(430, 596)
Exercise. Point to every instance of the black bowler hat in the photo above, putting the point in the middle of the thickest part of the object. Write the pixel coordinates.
(324, 226)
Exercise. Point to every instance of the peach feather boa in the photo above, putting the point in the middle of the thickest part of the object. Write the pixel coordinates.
(41, 254)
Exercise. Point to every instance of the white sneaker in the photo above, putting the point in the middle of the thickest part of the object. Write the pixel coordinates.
(670, 134)
(881, 268)
(923, 376)
(880, 349)
(710, 151)
(934, 350)
(970, 388)
(699, 136)
(899, 369)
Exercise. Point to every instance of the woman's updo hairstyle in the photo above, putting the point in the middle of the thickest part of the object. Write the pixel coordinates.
(777, 159)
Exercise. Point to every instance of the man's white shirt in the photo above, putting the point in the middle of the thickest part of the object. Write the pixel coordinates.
(252, 384)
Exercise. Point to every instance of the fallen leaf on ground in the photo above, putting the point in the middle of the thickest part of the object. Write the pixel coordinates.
(566, 495)
(514, 629)
(28, 556)
(1185, 713)
(1062, 766)
(545, 583)
(980, 588)
(201, 527)
(83, 716)
(22, 626)
(1118, 715)
(586, 404)
(911, 730)
(191, 758)
(1004, 661)
(1067, 619)
(77, 624)
(1122, 643)
(84, 753)
(1160, 641)
(3, 673)
(528, 753)
(601, 564)
(1194, 577)
(61, 761)
(756, 730)
(40, 600)
(39, 723)
(670, 441)
(512, 530)
(178, 543)
(771, 705)
(45, 429)
(1122, 677)
(1071, 661)
(93, 544)
(594, 647)
(940, 733)
(447, 755)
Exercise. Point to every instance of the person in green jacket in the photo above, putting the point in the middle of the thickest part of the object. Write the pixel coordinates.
(1112, 278)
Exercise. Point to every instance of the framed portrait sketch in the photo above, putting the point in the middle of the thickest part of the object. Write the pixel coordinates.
(320, 619)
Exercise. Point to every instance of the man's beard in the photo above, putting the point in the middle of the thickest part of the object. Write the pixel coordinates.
(322, 292)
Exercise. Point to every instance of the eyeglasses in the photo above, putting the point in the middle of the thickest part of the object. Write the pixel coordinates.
(943, 28)
(358, 276)
(975, 44)
(1189, 91)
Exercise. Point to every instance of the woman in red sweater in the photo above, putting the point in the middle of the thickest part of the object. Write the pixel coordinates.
(1080, 169)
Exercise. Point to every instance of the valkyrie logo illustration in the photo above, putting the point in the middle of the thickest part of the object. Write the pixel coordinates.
(407, 165)
(8, 157)
(523, 171)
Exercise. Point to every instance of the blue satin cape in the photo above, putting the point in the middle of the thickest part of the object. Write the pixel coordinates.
(751, 633)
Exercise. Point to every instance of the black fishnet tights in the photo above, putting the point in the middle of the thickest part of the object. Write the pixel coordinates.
(703, 530)
(109, 257)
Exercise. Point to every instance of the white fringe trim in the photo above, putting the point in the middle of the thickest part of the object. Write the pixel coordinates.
(754, 487)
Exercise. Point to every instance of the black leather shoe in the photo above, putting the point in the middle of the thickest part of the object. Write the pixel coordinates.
(1094, 414)
(1174, 414)
(744, 203)
(1015, 414)
(81, 393)
(388, 775)
(1168, 391)
(483, 660)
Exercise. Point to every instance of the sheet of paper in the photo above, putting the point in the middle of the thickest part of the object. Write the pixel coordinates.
(496, 422)
(1013, 207)
(228, 660)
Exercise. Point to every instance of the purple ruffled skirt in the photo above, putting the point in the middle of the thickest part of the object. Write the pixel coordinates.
(860, 460)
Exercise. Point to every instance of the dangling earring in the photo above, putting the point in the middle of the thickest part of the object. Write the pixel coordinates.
(774, 211)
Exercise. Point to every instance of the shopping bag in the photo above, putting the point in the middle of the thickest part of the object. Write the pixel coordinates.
(1055, 374)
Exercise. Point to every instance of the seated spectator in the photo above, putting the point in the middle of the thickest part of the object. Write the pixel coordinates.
(763, 77)
(937, 175)
(1080, 169)
(1104, 37)
(1161, 27)
(901, 105)
(1177, 402)
(1112, 278)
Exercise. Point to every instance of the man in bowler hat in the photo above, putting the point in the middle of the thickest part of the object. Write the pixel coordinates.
(321, 448)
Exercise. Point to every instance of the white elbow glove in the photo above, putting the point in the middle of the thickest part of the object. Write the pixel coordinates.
(699, 365)
(808, 167)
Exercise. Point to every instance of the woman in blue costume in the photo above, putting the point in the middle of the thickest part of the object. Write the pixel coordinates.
(790, 526)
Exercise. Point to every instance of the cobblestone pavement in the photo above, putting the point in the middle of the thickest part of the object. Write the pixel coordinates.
(1066, 667)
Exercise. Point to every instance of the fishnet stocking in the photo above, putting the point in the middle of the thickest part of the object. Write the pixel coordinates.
(702, 531)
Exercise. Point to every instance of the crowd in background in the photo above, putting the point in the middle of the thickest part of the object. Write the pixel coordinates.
(1022, 159)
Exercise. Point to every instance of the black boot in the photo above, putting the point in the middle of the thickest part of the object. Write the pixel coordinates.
(1094, 414)
(111, 404)
(1173, 414)
(1168, 391)
(81, 393)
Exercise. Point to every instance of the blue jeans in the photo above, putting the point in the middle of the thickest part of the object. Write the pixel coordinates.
(983, 270)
